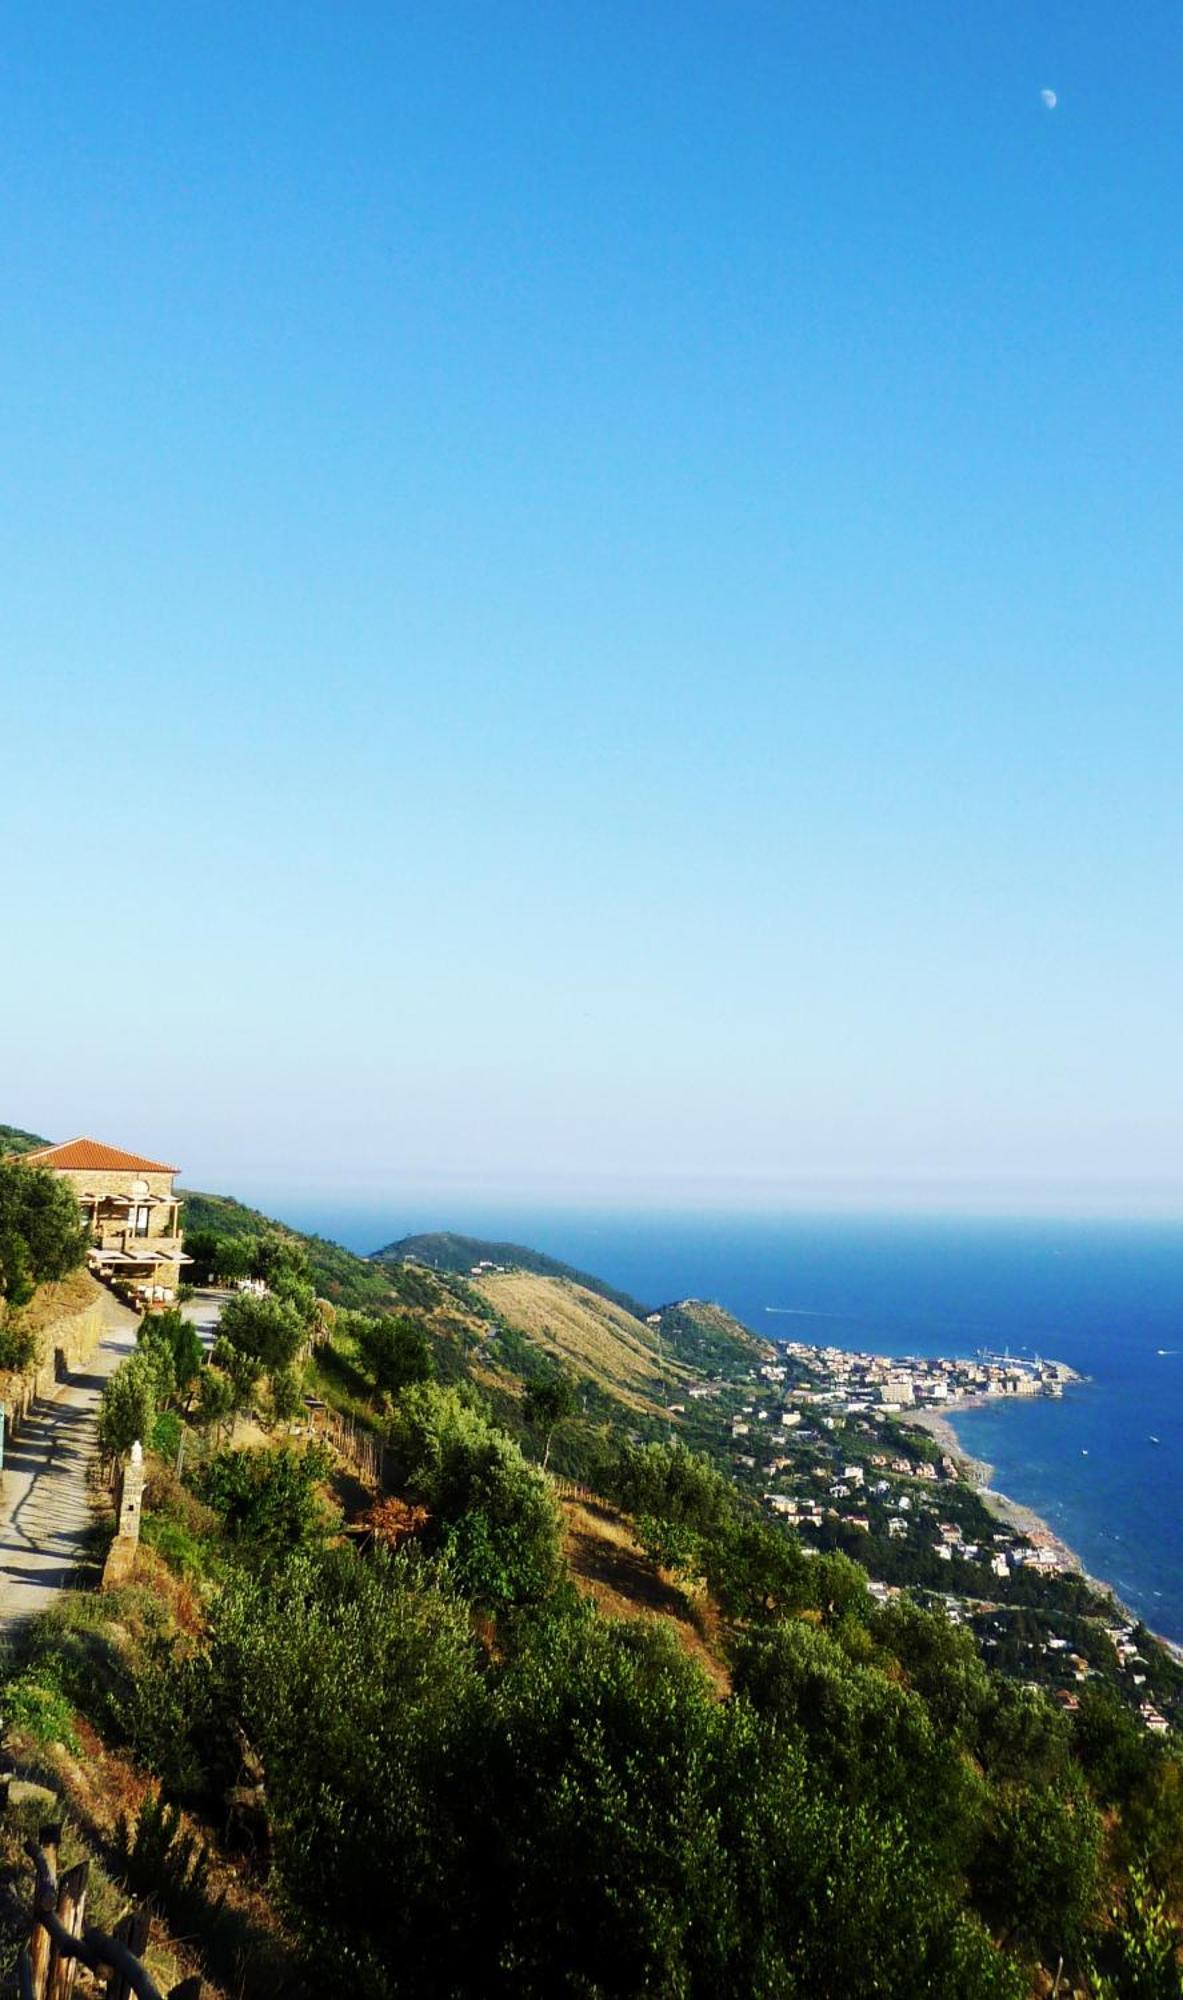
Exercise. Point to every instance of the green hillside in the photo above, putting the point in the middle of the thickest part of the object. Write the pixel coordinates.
(339, 1276)
(445, 1251)
(708, 1337)
(13, 1140)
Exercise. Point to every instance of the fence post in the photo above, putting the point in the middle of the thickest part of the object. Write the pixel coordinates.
(131, 1930)
(71, 1906)
(49, 1840)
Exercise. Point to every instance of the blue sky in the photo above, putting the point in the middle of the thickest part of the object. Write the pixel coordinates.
(591, 597)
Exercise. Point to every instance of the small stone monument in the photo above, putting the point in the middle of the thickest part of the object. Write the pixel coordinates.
(122, 1552)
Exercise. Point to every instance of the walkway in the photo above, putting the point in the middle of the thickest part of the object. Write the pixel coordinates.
(46, 1515)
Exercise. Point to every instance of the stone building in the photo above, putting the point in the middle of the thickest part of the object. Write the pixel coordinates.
(130, 1210)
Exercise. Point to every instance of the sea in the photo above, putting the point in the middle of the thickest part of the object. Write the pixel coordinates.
(1102, 1465)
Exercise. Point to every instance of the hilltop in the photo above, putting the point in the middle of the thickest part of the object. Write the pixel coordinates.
(443, 1250)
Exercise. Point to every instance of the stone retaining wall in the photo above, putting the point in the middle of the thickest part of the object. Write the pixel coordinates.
(65, 1342)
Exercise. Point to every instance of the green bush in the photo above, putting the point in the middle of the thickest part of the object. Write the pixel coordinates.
(34, 1702)
(267, 1500)
(493, 1520)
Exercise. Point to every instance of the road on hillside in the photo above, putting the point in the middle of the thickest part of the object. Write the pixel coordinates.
(46, 1506)
(203, 1311)
(46, 1512)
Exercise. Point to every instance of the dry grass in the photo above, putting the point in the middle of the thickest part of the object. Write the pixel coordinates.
(59, 1299)
(609, 1566)
(598, 1338)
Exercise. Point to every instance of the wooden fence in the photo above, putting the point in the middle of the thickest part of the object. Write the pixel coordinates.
(58, 1944)
(356, 1445)
(571, 1489)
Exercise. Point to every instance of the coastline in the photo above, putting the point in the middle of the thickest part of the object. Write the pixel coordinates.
(1024, 1520)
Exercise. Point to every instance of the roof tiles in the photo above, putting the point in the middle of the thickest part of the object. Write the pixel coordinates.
(82, 1155)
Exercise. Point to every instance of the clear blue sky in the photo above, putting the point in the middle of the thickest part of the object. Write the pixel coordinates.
(591, 595)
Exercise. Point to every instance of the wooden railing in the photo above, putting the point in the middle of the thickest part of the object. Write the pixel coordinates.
(58, 1944)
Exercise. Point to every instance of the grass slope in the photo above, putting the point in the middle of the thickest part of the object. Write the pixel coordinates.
(591, 1334)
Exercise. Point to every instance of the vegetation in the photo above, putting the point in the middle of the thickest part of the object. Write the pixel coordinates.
(222, 1236)
(13, 1140)
(41, 1234)
(444, 1251)
(458, 1773)
(561, 1803)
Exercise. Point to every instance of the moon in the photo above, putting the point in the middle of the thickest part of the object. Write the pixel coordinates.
(1048, 99)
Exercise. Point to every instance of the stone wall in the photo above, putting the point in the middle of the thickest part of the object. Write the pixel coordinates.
(67, 1321)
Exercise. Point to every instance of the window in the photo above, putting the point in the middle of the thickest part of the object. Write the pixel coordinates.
(141, 1220)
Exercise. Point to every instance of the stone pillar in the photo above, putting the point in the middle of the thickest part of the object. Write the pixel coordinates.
(131, 1495)
(122, 1553)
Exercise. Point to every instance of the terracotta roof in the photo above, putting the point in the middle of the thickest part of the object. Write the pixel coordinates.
(80, 1154)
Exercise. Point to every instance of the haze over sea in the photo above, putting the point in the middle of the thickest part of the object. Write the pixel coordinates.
(1106, 1297)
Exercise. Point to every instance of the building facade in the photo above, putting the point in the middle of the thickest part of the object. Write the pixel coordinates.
(131, 1213)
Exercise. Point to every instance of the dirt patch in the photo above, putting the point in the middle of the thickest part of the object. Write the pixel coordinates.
(609, 1566)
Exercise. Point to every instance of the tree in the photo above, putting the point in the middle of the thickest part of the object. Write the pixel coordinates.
(941, 1662)
(282, 1263)
(235, 1255)
(287, 1395)
(268, 1499)
(1036, 1875)
(41, 1231)
(17, 1282)
(127, 1410)
(394, 1350)
(493, 1520)
(547, 1403)
(1138, 1955)
(270, 1332)
(215, 1397)
(202, 1246)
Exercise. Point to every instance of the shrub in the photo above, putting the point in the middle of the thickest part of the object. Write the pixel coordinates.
(35, 1702)
(267, 1499)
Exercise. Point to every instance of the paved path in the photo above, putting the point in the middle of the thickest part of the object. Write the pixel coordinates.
(45, 1504)
(204, 1310)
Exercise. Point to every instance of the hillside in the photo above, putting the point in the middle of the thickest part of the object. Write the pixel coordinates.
(592, 1335)
(501, 1330)
(705, 1336)
(445, 1251)
(339, 1275)
(13, 1140)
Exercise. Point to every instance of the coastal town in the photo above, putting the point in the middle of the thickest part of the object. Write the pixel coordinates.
(854, 1451)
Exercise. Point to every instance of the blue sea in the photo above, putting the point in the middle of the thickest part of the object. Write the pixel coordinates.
(1105, 1297)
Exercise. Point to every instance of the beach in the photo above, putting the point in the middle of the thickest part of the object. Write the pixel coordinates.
(1024, 1520)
